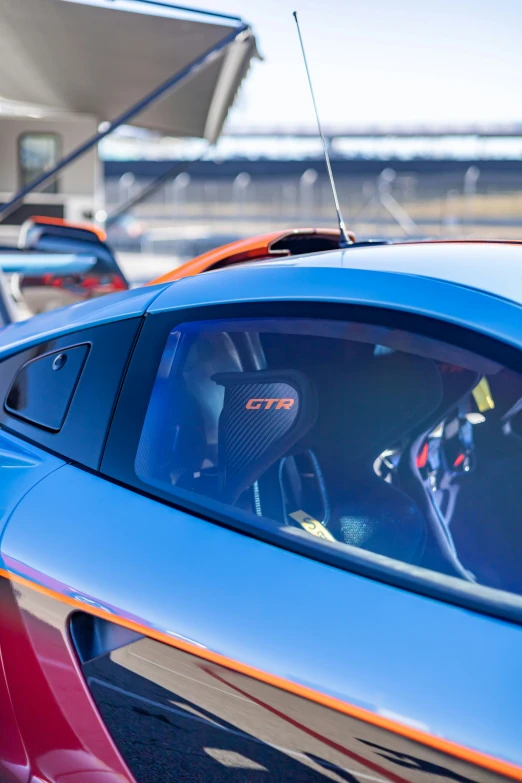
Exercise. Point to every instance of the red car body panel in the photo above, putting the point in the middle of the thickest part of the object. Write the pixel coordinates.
(64, 736)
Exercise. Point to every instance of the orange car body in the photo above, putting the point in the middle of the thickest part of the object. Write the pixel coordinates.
(277, 244)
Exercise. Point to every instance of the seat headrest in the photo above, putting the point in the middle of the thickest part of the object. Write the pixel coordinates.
(265, 413)
(368, 406)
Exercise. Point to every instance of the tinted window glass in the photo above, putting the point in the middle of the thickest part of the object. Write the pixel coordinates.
(43, 389)
(374, 438)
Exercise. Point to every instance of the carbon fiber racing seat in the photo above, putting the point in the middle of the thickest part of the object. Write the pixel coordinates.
(272, 420)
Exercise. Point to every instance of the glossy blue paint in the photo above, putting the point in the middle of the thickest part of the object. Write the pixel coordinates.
(95, 312)
(21, 467)
(495, 268)
(465, 284)
(438, 299)
(373, 645)
(490, 267)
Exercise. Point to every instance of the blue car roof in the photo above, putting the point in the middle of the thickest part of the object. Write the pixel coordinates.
(474, 284)
(95, 312)
(492, 267)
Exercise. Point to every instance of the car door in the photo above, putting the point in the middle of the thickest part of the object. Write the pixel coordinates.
(217, 603)
(57, 400)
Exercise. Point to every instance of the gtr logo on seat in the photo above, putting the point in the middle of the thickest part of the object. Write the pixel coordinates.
(257, 404)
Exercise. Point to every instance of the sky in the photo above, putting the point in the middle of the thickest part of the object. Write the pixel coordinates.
(381, 61)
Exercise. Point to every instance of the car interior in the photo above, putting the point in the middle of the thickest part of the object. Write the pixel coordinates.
(389, 442)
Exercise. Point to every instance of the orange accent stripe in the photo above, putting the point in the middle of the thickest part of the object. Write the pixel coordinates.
(437, 743)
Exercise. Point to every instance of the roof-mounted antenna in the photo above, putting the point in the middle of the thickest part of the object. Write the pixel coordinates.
(344, 241)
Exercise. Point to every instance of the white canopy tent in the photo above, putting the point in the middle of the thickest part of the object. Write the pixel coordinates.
(99, 57)
(144, 62)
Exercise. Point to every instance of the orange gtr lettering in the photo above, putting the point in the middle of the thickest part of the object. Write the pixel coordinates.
(256, 404)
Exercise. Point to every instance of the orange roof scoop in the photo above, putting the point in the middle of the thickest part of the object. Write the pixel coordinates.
(278, 244)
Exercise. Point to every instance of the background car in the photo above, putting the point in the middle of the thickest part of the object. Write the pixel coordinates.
(57, 263)
(263, 523)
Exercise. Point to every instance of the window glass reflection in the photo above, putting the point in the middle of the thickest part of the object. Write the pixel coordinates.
(376, 438)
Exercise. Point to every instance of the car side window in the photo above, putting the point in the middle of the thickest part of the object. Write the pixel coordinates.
(43, 388)
(369, 437)
(60, 392)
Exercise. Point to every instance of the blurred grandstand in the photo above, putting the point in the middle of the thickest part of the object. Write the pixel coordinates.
(174, 196)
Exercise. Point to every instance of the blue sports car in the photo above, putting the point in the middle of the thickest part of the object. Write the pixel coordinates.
(265, 524)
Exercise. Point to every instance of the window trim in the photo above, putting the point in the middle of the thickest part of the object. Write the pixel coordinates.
(124, 435)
